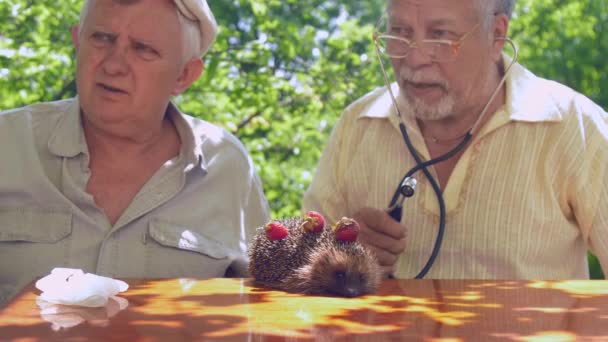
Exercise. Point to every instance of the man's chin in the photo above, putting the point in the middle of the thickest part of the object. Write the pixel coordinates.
(430, 116)
(420, 109)
(106, 115)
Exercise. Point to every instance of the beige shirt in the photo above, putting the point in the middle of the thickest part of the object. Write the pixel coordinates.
(526, 200)
(193, 218)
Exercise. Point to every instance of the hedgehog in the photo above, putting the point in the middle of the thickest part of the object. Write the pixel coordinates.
(304, 255)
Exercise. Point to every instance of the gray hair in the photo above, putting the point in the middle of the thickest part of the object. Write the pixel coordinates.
(191, 39)
(505, 7)
(488, 8)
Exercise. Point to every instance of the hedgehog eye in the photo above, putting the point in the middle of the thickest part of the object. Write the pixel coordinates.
(362, 277)
(340, 275)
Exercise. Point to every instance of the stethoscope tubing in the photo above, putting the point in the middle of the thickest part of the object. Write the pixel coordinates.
(423, 166)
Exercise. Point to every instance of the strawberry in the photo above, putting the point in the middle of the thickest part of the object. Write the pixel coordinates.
(314, 222)
(346, 230)
(275, 231)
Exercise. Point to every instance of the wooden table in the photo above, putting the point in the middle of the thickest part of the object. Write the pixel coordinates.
(235, 310)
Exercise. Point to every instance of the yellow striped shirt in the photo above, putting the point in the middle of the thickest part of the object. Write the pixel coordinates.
(526, 200)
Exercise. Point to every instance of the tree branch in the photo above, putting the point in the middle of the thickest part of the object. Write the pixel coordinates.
(245, 122)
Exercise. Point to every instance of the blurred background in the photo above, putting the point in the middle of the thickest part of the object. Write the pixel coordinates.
(282, 71)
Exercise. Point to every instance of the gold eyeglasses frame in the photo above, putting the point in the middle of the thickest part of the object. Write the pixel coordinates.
(455, 45)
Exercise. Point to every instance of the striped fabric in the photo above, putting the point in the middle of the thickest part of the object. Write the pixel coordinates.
(526, 200)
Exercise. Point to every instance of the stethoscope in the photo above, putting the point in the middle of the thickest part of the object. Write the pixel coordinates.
(407, 186)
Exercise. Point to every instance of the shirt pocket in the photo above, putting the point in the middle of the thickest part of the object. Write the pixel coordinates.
(186, 238)
(28, 234)
(34, 225)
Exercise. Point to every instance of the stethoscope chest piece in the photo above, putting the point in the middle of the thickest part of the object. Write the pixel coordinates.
(408, 187)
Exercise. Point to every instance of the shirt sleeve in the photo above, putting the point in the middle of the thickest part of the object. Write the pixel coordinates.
(596, 191)
(590, 179)
(598, 237)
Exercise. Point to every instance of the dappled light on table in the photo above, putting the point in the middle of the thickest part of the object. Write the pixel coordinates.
(236, 309)
(576, 288)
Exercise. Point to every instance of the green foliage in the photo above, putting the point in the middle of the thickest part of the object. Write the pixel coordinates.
(35, 51)
(565, 41)
(282, 71)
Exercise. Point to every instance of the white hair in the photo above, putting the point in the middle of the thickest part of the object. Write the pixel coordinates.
(489, 8)
(505, 7)
(191, 39)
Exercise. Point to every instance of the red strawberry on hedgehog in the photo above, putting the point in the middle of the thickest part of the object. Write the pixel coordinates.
(346, 230)
(313, 258)
(275, 231)
(313, 222)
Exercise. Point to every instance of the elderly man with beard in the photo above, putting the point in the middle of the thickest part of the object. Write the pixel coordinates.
(527, 196)
(118, 181)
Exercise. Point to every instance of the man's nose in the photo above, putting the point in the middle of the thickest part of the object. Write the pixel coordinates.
(115, 62)
(418, 57)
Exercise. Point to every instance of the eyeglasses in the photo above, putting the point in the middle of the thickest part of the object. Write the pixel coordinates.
(438, 50)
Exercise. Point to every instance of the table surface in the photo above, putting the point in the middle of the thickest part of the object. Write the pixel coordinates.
(237, 310)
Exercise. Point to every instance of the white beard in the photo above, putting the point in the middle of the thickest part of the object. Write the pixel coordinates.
(416, 107)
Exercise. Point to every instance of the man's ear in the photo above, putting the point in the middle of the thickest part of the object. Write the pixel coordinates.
(500, 30)
(191, 72)
(75, 36)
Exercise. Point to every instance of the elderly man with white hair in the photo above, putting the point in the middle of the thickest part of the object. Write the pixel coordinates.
(505, 173)
(118, 181)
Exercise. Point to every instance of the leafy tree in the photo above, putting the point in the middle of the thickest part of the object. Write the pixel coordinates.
(282, 71)
(565, 41)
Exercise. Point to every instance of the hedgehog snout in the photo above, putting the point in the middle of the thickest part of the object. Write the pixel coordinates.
(349, 284)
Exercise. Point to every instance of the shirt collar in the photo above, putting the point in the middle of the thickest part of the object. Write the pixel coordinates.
(191, 149)
(68, 138)
(528, 98)
(381, 105)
